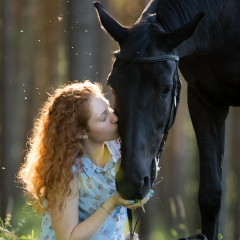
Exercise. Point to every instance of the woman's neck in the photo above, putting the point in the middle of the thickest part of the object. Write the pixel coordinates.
(97, 153)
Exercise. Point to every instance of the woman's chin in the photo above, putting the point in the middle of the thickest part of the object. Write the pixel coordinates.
(116, 136)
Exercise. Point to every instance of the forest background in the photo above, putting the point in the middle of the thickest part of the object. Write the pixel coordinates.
(45, 44)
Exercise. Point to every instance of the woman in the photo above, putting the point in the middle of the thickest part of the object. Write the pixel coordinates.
(69, 172)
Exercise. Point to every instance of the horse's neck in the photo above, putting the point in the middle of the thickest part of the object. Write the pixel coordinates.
(174, 14)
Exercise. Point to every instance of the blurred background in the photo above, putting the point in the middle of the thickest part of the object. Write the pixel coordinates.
(45, 44)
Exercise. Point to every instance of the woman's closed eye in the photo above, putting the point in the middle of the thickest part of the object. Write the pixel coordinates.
(103, 117)
(105, 114)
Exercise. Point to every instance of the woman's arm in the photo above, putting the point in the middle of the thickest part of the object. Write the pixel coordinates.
(66, 227)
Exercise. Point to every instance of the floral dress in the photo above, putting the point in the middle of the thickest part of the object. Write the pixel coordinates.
(96, 185)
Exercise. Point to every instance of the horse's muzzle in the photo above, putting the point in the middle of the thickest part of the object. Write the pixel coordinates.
(130, 188)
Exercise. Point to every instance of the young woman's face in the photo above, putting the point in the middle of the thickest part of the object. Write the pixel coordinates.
(103, 122)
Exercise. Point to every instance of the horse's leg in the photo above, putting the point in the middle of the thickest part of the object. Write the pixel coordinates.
(208, 120)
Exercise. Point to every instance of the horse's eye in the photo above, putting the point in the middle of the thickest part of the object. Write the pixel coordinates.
(165, 92)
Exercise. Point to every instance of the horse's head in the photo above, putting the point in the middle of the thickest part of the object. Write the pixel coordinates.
(143, 80)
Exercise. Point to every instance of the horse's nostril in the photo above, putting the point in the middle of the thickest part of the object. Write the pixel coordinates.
(146, 182)
(143, 188)
(146, 186)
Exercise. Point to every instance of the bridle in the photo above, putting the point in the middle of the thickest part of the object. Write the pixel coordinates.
(177, 84)
(153, 59)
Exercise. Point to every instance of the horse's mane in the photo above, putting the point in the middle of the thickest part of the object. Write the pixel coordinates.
(137, 40)
(173, 14)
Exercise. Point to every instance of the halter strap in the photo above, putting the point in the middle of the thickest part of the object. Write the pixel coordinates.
(153, 59)
(173, 112)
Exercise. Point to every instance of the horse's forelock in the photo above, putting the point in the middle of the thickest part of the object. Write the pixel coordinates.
(137, 40)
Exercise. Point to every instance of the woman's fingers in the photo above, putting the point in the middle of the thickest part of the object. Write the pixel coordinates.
(133, 204)
(149, 195)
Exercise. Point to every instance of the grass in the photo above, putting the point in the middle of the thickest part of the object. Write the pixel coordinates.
(28, 227)
(7, 232)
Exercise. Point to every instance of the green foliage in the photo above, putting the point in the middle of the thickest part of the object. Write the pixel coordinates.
(219, 236)
(7, 232)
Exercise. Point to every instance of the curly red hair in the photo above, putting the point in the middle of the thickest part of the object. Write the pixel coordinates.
(54, 143)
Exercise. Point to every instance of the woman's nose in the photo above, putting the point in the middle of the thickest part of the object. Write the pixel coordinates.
(114, 118)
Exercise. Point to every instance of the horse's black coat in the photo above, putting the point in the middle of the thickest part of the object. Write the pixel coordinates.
(209, 52)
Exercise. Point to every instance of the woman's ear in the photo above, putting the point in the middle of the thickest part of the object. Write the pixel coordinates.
(82, 135)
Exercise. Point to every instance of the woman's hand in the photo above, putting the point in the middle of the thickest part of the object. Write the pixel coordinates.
(118, 200)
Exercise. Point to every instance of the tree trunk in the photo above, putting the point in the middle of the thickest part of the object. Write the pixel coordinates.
(9, 121)
(89, 47)
(230, 211)
(31, 39)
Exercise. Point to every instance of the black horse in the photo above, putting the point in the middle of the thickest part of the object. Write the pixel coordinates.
(205, 36)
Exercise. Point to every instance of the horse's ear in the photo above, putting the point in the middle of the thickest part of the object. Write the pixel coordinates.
(149, 9)
(175, 38)
(113, 27)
